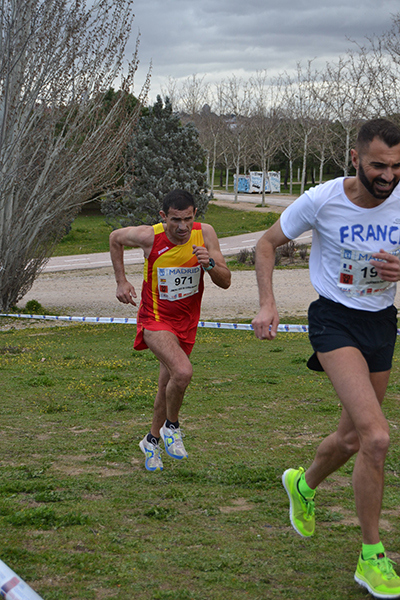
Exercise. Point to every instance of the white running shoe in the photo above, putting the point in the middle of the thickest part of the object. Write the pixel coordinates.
(153, 455)
(172, 439)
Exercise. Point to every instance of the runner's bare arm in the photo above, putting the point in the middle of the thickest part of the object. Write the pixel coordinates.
(388, 266)
(220, 274)
(266, 323)
(133, 237)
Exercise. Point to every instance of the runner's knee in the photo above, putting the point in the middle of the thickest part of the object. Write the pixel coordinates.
(375, 444)
(182, 375)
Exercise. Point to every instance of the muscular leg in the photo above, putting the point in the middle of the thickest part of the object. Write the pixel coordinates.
(160, 403)
(363, 428)
(333, 452)
(175, 375)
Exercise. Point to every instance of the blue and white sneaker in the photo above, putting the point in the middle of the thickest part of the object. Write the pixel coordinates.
(153, 455)
(172, 439)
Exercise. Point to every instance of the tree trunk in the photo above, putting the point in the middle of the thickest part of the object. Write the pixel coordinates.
(286, 178)
(347, 154)
(263, 179)
(303, 173)
(237, 182)
(213, 167)
(237, 169)
(291, 176)
(321, 165)
(208, 169)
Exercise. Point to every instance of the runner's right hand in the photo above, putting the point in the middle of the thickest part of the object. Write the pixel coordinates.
(265, 324)
(126, 293)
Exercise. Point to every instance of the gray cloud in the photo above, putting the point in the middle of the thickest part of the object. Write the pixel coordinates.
(225, 37)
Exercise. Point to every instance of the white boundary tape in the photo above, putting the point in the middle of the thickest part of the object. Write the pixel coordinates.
(131, 321)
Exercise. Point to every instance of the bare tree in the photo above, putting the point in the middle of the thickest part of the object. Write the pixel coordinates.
(170, 91)
(320, 146)
(194, 94)
(288, 138)
(347, 92)
(236, 100)
(191, 98)
(264, 122)
(306, 107)
(381, 55)
(313, 121)
(291, 136)
(211, 124)
(58, 144)
(226, 148)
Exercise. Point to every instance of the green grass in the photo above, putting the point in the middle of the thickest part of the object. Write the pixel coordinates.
(229, 221)
(82, 519)
(89, 232)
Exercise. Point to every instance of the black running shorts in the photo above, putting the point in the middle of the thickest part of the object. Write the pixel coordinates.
(332, 325)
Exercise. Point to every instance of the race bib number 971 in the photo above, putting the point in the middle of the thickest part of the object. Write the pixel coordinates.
(175, 283)
(357, 277)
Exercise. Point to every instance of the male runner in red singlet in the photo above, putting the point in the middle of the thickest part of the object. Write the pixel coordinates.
(177, 253)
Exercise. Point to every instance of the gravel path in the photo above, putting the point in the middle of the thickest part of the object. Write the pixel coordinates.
(92, 293)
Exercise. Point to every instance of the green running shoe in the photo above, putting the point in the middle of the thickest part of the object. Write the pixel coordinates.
(378, 576)
(302, 510)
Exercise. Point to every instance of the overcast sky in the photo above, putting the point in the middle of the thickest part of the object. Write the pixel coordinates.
(219, 38)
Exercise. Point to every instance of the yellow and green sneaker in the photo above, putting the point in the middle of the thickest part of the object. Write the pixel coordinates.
(378, 576)
(302, 510)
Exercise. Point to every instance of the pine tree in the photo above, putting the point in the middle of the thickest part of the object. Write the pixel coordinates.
(163, 155)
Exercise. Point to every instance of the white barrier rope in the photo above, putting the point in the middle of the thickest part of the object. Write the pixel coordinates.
(132, 321)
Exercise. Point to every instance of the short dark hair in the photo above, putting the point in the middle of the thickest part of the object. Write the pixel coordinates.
(178, 199)
(385, 130)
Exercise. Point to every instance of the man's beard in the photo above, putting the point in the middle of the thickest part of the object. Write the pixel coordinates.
(369, 185)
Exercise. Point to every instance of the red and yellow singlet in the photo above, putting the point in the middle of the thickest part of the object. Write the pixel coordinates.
(172, 288)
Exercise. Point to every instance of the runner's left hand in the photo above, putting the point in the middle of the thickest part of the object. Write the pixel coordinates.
(387, 265)
(202, 255)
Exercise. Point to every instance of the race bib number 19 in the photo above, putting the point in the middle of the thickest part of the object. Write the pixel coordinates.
(357, 277)
(175, 283)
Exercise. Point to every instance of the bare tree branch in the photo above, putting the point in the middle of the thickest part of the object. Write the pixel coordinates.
(59, 143)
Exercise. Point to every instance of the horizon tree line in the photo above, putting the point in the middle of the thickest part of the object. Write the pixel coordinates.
(307, 118)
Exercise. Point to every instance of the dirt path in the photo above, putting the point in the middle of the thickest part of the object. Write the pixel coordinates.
(92, 293)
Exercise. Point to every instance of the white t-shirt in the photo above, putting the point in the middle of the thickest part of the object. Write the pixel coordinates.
(344, 237)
